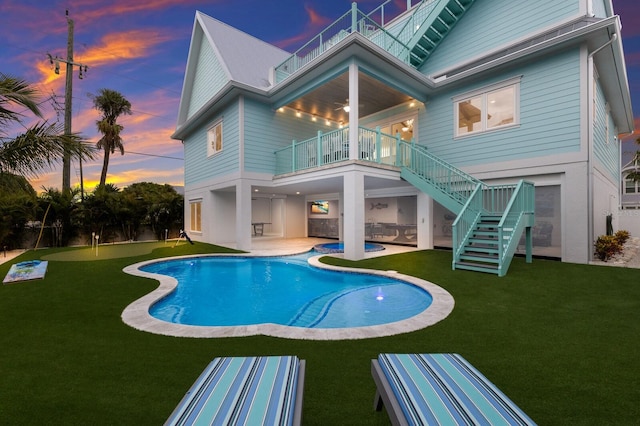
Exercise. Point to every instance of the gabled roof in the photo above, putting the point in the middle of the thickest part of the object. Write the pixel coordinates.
(253, 65)
(250, 68)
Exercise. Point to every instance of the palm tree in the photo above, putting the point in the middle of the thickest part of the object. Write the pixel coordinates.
(41, 145)
(112, 105)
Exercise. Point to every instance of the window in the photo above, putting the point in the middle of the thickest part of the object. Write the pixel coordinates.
(196, 215)
(488, 109)
(630, 186)
(214, 139)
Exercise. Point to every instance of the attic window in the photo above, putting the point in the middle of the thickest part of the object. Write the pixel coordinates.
(214, 138)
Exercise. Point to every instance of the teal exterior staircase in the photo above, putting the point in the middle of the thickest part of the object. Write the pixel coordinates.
(490, 218)
(439, 18)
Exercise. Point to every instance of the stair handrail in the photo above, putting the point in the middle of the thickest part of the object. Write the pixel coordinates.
(418, 34)
(419, 152)
(466, 220)
(409, 23)
(522, 203)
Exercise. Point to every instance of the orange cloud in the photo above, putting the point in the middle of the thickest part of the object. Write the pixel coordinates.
(316, 24)
(116, 47)
(127, 7)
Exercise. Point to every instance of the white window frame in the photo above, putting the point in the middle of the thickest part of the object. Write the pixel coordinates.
(213, 131)
(195, 215)
(636, 186)
(483, 93)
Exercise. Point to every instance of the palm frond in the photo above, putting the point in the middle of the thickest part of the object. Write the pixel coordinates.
(39, 148)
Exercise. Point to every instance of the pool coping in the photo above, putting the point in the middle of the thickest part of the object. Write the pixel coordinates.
(137, 315)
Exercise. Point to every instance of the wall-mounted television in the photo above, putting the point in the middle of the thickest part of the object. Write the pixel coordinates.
(320, 207)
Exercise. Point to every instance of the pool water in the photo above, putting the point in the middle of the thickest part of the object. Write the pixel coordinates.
(339, 247)
(231, 291)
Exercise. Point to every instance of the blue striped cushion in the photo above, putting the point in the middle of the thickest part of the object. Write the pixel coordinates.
(241, 391)
(446, 389)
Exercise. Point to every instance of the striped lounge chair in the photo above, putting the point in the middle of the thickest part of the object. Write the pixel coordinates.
(440, 389)
(264, 390)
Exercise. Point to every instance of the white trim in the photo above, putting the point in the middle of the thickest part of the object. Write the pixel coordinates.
(212, 151)
(489, 88)
(482, 93)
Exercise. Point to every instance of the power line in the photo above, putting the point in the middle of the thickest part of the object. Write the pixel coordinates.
(155, 155)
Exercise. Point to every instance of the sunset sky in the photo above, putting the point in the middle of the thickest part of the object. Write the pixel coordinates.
(139, 48)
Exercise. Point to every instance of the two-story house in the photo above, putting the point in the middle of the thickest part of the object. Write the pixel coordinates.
(488, 126)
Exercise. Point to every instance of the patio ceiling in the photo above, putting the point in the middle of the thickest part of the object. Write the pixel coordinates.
(326, 101)
(301, 185)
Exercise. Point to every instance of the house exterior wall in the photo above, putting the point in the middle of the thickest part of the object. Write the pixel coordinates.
(208, 79)
(605, 141)
(509, 21)
(605, 202)
(550, 117)
(267, 130)
(598, 8)
(199, 166)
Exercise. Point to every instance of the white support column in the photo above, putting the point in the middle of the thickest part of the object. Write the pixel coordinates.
(341, 218)
(243, 215)
(353, 183)
(353, 111)
(425, 221)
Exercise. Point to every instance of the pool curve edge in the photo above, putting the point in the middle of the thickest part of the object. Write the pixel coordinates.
(137, 316)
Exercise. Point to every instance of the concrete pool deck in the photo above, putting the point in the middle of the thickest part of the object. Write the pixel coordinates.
(137, 314)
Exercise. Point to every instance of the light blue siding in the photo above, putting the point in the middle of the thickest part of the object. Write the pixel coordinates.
(267, 130)
(490, 24)
(599, 9)
(209, 77)
(549, 117)
(198, 166)
(605, 144)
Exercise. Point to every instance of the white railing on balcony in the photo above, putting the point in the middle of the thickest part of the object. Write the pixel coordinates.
(370, 26)
(333, 147)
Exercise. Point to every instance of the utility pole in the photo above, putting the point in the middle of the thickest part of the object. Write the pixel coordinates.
(68, 90)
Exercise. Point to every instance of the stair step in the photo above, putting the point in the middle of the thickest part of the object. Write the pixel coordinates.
(482, 249)
(478, 232)
(479, 257)
(490, 269)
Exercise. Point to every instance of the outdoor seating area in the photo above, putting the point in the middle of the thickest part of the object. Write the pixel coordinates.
(391, 232)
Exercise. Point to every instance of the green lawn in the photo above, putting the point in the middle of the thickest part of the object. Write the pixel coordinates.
(561, 340)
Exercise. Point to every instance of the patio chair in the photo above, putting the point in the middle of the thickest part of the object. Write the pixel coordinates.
(264, 390)
(426, 389)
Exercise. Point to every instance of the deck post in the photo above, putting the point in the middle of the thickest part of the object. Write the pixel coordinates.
(378, 142)
(354, 17)
(293, 156)
(320, 161)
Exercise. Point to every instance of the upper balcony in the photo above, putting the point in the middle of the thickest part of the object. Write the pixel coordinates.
(411, 35)
(333, 147)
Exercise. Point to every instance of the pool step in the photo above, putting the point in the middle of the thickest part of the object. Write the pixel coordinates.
(313, 312)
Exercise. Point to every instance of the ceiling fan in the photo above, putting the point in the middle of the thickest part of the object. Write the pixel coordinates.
(407, 125)
(345, 105)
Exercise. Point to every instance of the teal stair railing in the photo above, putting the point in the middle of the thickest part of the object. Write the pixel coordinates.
(490, 218)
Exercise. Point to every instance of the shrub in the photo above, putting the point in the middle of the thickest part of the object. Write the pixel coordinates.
(607, 246)
(622, 236)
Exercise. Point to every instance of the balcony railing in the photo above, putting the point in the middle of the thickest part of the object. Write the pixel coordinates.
(371, 26)
(333, 147)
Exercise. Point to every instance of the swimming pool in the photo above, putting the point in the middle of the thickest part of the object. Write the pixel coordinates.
(235, 291)
(339, 247)
(137, 314)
